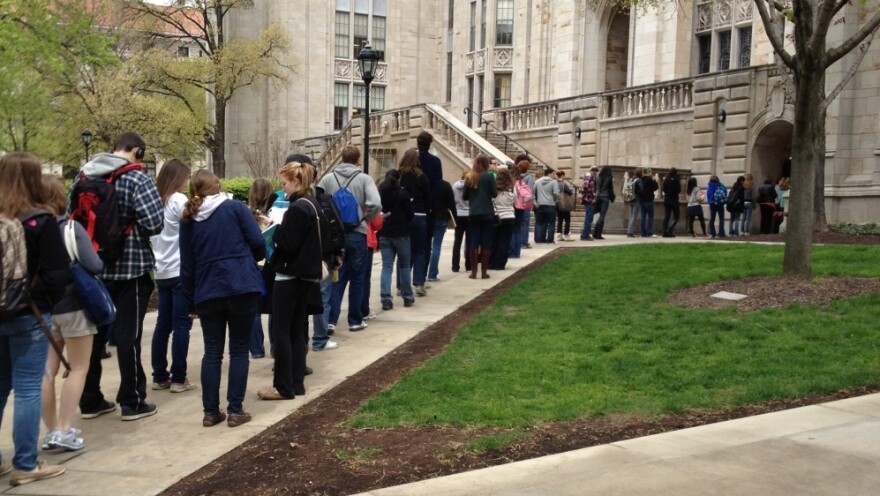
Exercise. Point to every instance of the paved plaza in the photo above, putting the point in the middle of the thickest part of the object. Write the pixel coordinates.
(820, 449)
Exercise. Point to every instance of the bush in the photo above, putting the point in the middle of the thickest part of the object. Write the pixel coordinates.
(856, 228)
(241, 186)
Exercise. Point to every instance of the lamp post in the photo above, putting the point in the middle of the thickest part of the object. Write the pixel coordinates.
(368, 60)
(86, 138)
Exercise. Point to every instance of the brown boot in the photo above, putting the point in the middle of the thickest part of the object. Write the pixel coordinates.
(485, 256)
(474, 255)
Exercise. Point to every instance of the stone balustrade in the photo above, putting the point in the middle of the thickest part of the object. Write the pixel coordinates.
(534, 116)
(334, 149)
(391, 121)
(644, 100)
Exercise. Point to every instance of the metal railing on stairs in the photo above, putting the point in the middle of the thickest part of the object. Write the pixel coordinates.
(507, 139)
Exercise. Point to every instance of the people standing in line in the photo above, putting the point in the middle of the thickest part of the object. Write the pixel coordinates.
(71, 329)
(604, 198)
(546, 196)
(416, 182)
(172, 319)
(373, 228)
(443, 207)
(23, 345)
(524, 164)
(694, 207)
(261, 197)
(671, 208)
(635, 205)
(782, 185)
(394, 240)
(523, 202)
(588, 199)
(504, 224)
(735, 200)
(479, 191)
(563, 216)
(646, 190)
(433, 168)
(767, 203)
(716, 195)
(220, 245)
(351, 272)
(128, 280)
(297, 262)
(462, 226)
(748, 205)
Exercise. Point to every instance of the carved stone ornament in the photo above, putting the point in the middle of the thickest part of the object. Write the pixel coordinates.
(777, 99)
(704, 16)
(469, 63)
(723, 9)
(480, 61)
(381, 72)
(342, 69)
(503, 58)
(743, 10)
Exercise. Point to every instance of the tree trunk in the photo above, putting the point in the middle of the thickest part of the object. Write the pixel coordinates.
(820, 222)
(807, 152)
(218, 141)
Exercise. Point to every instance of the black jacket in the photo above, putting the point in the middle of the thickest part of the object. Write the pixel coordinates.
(645, 189)
(47, 260)
(398, 211)
(443, 200)
(671, 189)
(297, 245)
(420, 190)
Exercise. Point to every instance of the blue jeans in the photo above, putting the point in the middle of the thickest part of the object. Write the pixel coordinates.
(634, 209)
(716, 210)
(236, 312)
(524, 227)
(23, 351)
(352, 271)
(515, 250)
(391, 248)
(256, 344)
(746, 226)
(735, 217)
(439, 232)
(647, 219)
(171, 320)
(588, 219)
(545, 220)
(368, 274)
(418, 237)
(320, 321)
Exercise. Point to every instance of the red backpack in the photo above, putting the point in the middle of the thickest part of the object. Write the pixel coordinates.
(95, 205)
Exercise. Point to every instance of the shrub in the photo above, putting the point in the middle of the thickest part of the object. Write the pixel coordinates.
(856, 228)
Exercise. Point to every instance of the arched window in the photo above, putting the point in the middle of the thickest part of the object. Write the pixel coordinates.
(723, 35)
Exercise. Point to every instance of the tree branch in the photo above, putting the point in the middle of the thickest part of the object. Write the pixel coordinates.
(849, 74)
(772, 35)
(835, 54)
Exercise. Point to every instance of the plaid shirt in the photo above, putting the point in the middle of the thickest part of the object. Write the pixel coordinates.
(589, 189)
(139, 203)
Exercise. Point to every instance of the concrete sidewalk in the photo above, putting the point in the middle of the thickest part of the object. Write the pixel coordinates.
(823, 449)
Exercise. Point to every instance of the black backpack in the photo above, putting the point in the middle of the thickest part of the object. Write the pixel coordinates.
(332, 228)
(95, 205)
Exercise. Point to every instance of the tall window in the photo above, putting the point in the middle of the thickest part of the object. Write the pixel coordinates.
(481, 80)
(340, 105)
(377, 98)
(342, 35)
(361, 34)
(472, 42)
(470, 115)
(378, 40)
(723, 35)
(504, 23)
(502, 91)
(449, 76)
(483, 23)
(359, 99)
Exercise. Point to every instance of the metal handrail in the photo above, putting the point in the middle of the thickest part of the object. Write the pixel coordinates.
(507, 138)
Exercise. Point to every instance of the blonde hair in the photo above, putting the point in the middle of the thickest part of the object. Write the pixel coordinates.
(21, 184)
(305, 174)
(203, 183)
(56, 194)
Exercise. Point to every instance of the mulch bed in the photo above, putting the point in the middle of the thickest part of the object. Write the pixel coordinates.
(312, 452)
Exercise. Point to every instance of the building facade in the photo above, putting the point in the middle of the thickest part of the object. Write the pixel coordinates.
(694, 88)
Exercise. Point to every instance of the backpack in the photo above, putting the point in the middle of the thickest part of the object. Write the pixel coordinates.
(524, 196)
(95, 205)
(565, 203)
(346, 204)
(332, 228)
(720, 195)
(91, 293)
(733, 201)
(629, 190)
(13, 266)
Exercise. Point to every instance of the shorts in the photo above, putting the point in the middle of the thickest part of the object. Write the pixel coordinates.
(72, 325)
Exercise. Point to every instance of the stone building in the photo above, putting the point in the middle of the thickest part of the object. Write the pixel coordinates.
(694, 88)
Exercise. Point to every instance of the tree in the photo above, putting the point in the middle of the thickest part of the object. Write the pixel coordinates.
(225, 64)
(262, 158)
(812, 20)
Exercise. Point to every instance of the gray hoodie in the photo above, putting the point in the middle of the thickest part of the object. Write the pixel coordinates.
(362, 187)
(103, 164)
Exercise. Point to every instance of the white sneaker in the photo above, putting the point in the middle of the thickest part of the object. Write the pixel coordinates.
(331, 327)
(330, 345)
(559, 237)
(180, 387)
(49, 440)
(358, 327)
(69, 440)
(370, 317)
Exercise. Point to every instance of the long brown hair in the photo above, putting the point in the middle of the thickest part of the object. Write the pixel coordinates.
(481, 163)
(172, 176)
(503, 180)
(21, 183)
(56, 196)
(258, 196)
(409, 164)
(202, 184)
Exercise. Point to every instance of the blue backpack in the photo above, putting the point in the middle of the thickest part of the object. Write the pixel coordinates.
(720, 196)
(346, 204)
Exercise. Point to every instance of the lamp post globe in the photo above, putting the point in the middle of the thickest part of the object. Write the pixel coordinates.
(368, 60)
(86, 137)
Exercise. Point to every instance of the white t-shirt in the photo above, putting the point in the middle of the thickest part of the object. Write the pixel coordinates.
(166, 245)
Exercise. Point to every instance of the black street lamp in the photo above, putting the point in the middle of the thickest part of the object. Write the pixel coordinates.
(368, 59)
(86, 138)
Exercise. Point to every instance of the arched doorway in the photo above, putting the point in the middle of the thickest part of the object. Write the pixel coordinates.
(771, 151)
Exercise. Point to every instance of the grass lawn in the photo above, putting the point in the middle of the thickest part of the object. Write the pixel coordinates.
(591, 334)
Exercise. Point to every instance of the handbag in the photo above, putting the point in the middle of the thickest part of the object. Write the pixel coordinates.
(90, 291)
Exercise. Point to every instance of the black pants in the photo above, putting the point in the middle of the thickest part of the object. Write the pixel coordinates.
(501, 249)
(563, 222)
(696, 212)
(290, 335)
(131, 298)
(462, 228)
(767, 210)
(673, 212)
